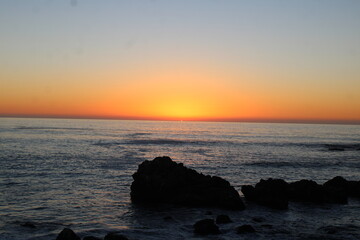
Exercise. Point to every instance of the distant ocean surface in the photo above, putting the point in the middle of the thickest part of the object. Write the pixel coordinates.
(77, 173)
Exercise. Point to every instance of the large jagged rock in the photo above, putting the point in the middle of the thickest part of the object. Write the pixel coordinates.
(272, 193)
(306, 191)
(165, 181)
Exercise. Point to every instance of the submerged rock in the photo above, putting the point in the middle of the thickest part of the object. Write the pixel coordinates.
(245, 229)
(222, 219)
(28, 225)
(165, 181)
(206, 227)
(271, 193)
(67, 234)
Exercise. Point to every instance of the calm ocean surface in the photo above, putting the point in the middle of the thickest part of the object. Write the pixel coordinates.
(77, 173)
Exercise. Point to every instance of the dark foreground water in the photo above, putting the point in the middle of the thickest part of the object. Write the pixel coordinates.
(77, 174)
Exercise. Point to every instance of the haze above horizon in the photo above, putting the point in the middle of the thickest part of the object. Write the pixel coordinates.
(181, 60)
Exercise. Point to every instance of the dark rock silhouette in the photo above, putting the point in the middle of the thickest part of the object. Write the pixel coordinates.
(306, 191)
(353, 189)
(67, 234)
(276, 193)
(271, 193)
(336, 190)
(165, 181)
(115, 236)
(206, 227)
(245, 229)
(222, 219)
(91, 238)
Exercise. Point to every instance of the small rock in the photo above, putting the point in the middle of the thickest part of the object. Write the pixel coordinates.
(221, 219)
(245, 229)
(67, 234)
(205, 227)
(115, 236)
(167, 218)
(208, 213)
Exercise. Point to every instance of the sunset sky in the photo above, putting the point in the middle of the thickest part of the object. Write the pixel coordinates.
(181, 60)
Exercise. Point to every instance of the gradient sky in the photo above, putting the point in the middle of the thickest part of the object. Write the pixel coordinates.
(181, 60)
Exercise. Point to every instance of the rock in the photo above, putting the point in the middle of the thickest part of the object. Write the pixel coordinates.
(206, 227)
(258, 219)
(271, 193)
(245, 229)
(269, 226)
(165, 181)
(222, 219)
(249, 192)
(306, 191)
(91, 238)
(67, 234)
(353, 189)
(336, 190)
(28, 225)
(115, 236)
(208, 213)
(168, 218)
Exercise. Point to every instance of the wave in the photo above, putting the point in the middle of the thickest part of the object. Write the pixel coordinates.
(297, 164)
(169, 141)
(51, 128)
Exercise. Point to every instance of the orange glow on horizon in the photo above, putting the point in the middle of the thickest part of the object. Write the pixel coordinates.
(173, 92)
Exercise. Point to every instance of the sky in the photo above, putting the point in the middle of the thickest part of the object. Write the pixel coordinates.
(233, 60)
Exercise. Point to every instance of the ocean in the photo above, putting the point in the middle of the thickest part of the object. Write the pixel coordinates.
(58, 173)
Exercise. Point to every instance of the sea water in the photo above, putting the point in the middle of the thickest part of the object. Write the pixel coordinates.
(58, 173)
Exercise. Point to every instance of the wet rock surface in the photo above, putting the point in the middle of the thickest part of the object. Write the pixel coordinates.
(165, 181)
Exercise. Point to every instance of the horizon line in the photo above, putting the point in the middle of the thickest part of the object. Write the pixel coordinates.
(249, 120)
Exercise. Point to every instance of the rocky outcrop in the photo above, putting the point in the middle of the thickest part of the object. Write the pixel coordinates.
(276, 193)
(67, 234)
(271, 193)
(165, 181)
(206, 227)
(306, 191)
(336, 190)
